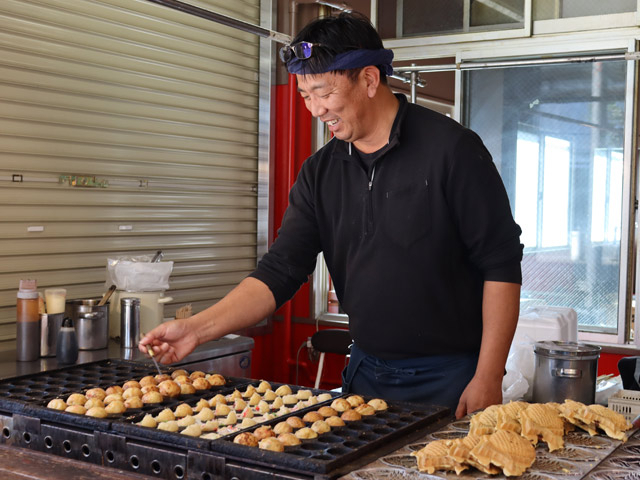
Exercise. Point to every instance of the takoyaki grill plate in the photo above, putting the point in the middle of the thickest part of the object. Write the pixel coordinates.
(342, 445)
(30, 394)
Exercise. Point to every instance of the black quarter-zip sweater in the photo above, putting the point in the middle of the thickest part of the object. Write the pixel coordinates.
(409, 240)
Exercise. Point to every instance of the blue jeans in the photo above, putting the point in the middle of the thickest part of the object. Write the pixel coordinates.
(433, 380)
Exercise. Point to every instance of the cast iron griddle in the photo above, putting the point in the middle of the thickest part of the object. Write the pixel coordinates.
(341, 445)
(28, 395)
(128, 425)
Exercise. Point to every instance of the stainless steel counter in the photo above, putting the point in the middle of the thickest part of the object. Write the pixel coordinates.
(229, 355)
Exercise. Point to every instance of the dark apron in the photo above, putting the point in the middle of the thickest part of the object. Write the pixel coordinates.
(433, 380)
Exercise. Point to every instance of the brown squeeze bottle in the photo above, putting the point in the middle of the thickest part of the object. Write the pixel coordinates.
(27, 322)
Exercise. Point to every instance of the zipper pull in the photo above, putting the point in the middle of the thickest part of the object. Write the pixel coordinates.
(373, 173)
(370, 184)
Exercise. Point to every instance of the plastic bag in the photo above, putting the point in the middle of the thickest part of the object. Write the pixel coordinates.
(518, 381)
(607, 386)
(138, 274)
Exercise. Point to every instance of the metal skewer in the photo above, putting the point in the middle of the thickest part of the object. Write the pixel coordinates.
(153, 357)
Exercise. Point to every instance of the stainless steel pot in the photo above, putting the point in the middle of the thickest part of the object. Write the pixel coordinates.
(565, 370)
(91, 322)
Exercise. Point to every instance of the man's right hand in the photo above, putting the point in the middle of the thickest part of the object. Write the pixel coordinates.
(171, 341)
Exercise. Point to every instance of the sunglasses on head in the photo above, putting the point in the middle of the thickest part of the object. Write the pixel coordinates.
(301, 50)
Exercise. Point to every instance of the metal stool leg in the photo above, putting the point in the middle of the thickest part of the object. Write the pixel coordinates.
(319, 374)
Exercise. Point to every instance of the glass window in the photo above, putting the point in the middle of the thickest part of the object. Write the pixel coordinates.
(526, 193)
(555, 193)
(550, 9)
(556, 135)
(606, 210)
(409, 18)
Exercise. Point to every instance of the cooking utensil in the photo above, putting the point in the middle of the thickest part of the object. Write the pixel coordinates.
(157, 257)
(91, 322)
(565, 370)
(105, 298)
(153, 357)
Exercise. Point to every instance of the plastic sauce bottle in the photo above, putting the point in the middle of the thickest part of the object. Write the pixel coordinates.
(67, 343)
(27, 322)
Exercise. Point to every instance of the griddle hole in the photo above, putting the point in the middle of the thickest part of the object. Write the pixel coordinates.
(27, 437)
(368, 437)
(346, 432)
(86, 451)
(74, 386)
(382, 430)
(156, 467)
(373, 421)
(67, 446)
(134, 461)
(395, 425)
(337, 451)
(48, 442)
(22, 382)
(298, 451)
(418, 414)
(179, 471)
(206, 476)
(312, 446)
(6, 432)
(353, 444)
(110, 456)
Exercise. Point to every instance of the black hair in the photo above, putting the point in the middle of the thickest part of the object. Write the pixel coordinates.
(339, 34)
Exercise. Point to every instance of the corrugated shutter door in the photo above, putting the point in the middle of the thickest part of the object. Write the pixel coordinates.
(154, 109)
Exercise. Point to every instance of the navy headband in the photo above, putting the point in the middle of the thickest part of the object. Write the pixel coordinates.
(347, 60)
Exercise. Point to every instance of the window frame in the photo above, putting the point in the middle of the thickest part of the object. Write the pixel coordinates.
(588, 44)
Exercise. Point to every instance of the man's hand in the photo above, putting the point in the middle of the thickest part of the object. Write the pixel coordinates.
(500, 307)
(242, 307)
(171, 341)
(479, 394)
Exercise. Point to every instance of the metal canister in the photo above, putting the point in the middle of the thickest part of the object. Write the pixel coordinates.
(91, 322)
(565, 370)
(129, 322)
(49, 327)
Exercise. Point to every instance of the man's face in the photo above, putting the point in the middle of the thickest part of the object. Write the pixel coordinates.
(337, 101)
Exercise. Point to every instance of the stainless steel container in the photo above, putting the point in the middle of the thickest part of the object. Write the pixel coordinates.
(565, 370)
(49, 327)
(91, 322)
(129, 322)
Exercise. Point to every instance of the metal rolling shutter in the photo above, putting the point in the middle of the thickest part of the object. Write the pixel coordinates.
(157, 111)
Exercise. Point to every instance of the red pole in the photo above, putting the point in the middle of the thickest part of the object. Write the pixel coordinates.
(288, 356)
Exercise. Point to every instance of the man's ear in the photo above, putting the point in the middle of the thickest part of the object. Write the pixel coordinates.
(371, 76)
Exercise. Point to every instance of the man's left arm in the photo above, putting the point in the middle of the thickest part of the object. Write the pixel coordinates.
(500, 308)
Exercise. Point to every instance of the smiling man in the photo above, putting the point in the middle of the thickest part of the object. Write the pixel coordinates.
(414, 224)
